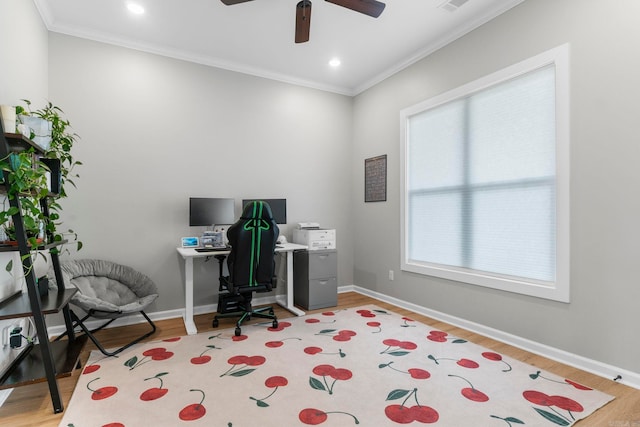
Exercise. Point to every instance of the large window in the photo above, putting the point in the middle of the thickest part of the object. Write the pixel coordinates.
(486, 173)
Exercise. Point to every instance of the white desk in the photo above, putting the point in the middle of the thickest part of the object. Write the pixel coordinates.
(188, 254)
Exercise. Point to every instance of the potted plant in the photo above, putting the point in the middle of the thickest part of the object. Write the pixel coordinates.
(27, 178)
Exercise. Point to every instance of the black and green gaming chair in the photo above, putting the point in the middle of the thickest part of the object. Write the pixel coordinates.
(251, 264)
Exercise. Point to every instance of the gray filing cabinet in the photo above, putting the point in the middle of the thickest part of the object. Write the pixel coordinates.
(315, 278)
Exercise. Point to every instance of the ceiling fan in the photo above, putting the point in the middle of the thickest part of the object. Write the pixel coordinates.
(371, 8)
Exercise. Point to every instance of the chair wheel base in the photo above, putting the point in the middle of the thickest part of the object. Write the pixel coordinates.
(275, 324)
(238, 332)
(215, 323)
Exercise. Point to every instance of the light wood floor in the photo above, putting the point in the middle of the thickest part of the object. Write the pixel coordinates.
(31, 405)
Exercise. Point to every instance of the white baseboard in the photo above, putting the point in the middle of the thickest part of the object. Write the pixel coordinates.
(158, 315)
(632, 379)
(629, 378)
(4, 395)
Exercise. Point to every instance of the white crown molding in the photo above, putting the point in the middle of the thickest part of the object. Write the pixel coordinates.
(47, 16)
(436, 45)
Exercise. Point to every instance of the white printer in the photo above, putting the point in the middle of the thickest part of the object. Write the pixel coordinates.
(315, 238)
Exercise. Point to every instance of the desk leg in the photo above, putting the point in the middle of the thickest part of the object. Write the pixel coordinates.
(288, 304)
(189, 325)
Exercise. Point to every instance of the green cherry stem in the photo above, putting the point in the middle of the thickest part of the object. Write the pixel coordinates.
(537, 375)
(388, 365)
(466, 380)
(265, 398)
(345, 413)
(157, 376)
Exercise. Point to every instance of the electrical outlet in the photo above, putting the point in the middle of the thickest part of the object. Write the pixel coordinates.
(391, 275)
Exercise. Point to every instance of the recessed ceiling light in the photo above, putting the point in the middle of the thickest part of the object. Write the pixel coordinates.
(335, 62)
(135, 8)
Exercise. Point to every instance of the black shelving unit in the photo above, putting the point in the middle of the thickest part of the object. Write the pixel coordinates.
(45, 361)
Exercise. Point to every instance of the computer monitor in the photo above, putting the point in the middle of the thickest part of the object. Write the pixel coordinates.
(278, 208)
(208, 211)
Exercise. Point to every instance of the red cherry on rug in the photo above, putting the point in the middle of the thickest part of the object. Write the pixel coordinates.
(281, 326)
(274, 344)
(538, 398)
(193, 411)
(437, 336)
(312, 416)
(328, 313)
(162, 356)
(566, 404)
(153, 351)
(407, 345)
(474, 395)
(255, 360)
(174, 339)
(239, 338)
(103, 392)
(153, 394)
(89, 369)
(313, 350)
(391, 342)
(578, 385)
(113, 425)
(466, 363)
(424, 414)
(200, 360)
(373, 324)
(237, 360)
(312, 320)
(323, 370)
(276, 381)
(491, 356)
(341, 374)
(419, 374)
(399, 414)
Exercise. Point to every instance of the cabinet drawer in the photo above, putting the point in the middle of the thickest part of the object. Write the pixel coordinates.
(322, 293)
(322, 264)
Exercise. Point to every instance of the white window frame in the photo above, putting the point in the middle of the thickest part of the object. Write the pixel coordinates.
(558, 290)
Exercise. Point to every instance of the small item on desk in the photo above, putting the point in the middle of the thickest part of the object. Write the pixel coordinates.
(213, 239)
(190, 242)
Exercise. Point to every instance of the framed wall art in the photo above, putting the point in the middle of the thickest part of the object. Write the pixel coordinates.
(375, 179)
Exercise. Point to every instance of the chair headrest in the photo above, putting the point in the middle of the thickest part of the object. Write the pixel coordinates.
(257, 210)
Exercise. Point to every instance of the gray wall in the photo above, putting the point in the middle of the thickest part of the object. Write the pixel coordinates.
(155, 131)
(601, 321)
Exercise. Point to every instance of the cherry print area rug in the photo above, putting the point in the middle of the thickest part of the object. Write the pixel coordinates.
(361, 366)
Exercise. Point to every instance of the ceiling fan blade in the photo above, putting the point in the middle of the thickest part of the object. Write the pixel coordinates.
(230, 2)
(303, 21)
(368, 7)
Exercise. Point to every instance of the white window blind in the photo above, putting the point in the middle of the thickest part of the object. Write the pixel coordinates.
(481, 184)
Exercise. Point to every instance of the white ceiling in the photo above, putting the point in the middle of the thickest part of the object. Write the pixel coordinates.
(257, 37)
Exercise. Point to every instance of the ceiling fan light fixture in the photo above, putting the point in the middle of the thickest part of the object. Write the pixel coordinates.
(303, 21)
(334, 62)
(135, 8)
